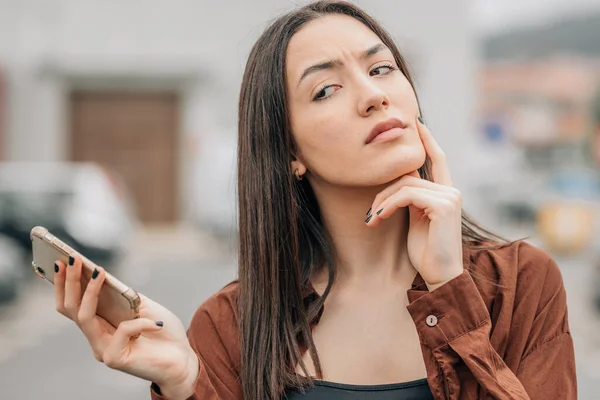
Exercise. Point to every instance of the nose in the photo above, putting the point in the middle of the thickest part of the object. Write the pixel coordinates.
(372, 98)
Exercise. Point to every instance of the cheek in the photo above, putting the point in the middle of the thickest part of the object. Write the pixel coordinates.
(323, 130)
(326, 147)
(403, 97)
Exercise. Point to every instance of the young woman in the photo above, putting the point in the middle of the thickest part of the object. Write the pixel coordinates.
(359, 275)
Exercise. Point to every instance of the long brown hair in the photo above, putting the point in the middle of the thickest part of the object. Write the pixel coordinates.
(282, 240)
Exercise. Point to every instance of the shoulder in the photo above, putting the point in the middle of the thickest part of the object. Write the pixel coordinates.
(516, 260)
(528, 303)
(221, 306)
(214, 326)
(519, 269)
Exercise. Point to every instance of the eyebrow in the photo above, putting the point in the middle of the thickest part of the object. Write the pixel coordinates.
(338, 63)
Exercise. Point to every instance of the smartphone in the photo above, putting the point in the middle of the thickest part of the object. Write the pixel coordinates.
(117, 302)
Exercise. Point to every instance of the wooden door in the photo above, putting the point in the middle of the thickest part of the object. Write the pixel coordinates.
(136, 135)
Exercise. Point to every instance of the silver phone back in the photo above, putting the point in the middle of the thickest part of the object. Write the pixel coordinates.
(115, 304)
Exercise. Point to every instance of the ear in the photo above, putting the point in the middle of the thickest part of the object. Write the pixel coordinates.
(298, 165)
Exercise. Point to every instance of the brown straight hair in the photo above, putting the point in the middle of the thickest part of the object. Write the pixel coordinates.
(282, 240)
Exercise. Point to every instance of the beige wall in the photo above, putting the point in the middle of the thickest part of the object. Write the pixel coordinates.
(199, 48)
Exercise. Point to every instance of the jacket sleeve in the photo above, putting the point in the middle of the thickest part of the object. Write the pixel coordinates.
(454, 323)
(211, 335)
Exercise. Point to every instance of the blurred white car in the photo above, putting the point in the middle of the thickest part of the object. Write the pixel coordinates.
(84, 204)
(212, 199)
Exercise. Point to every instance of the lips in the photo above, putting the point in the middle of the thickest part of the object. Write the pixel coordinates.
(383, 127)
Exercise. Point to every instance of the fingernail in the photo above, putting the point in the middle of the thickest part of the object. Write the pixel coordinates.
(56, 268)
(379, 212)
(95, 273)
(369, 212)
(159, 323)
(368, 219)
(420, 120)
(71, 260)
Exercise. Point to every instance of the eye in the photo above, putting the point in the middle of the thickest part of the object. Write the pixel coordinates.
(386, 68)
(325, 92)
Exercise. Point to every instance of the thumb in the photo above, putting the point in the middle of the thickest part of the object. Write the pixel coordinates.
(415, 213)
(127, 330)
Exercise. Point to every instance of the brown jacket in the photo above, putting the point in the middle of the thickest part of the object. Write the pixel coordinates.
(479, 341)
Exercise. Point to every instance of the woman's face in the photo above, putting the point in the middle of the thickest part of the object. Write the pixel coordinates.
(354, 85)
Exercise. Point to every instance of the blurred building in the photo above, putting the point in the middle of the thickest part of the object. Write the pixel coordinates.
(538, 128)
(150, 89)
(595, 147)
(543, 106)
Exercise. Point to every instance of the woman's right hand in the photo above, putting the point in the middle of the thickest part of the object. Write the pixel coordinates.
(161, 354)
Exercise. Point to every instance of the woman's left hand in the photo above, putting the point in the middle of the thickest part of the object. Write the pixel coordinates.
(435, 234)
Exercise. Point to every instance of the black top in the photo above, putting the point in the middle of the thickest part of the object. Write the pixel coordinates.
(323, 390)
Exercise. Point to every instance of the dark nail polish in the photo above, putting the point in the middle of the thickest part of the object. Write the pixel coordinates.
(71, 261)
(420, 120)
(56, 268)
(380, 211)
(95, 273)
(369, 212)
(368, 219)
(159, 323)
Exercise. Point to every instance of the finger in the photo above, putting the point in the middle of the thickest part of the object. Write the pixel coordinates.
(89, 305)
(441, 172)
(427, 200)
(114, 354)
(73, 287)
(59, 287)
(88, 321)
(411, 179)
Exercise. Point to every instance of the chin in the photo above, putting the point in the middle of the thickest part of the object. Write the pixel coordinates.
(382, 170)
(402, 163)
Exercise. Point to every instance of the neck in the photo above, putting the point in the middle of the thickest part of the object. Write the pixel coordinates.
(365, 255)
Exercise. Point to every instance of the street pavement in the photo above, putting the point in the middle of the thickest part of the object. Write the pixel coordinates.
(44, 356)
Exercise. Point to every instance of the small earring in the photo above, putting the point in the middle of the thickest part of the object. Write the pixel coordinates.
(298, 176)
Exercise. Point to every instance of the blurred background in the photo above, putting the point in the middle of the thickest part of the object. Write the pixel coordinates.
(118, 133)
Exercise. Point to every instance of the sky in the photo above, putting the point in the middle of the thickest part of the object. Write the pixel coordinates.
(491, 16)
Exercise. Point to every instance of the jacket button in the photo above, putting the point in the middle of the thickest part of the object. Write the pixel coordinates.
(431, 320)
